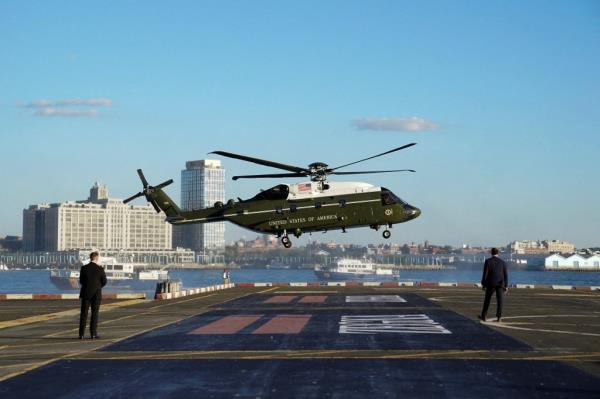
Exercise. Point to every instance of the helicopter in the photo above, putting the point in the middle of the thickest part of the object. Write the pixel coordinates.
(316, 205)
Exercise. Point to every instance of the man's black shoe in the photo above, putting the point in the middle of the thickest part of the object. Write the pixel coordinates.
(95, 337)
(480, 317)
(81, 337)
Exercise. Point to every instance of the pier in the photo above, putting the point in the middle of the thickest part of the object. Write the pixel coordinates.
(311, 341)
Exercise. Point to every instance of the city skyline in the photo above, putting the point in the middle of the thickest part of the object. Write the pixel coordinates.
(500, 98)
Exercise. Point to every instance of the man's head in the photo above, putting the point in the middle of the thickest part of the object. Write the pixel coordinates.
(495, 251)
(94, 256)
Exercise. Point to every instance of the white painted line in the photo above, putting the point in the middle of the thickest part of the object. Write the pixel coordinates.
(374, 298)
(525, 286)
(562, 287)
(371, 284)
(399, 324)
(447, 284)
(298, 284)
(19, 296)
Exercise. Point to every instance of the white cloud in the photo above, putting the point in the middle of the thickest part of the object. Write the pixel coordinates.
(73, 107)
(412, 124)
(92, 102)
(69, 112)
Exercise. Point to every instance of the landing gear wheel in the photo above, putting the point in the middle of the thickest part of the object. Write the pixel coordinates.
(387, 234)
(285, 240)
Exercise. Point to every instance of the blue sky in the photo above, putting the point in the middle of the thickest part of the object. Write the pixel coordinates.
(506, 94)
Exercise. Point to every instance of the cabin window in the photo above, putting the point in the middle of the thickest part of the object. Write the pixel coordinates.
(279, 210)
(293, 208)
(389, 198)
(118, 267)
(342, 203)
(278, 192)
(318, 205)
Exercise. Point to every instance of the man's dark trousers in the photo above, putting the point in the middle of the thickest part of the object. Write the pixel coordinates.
(94, 302)
(489, 291)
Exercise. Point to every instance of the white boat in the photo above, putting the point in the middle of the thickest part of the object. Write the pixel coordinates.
(354, 268)
(3, 267)
(117, 274)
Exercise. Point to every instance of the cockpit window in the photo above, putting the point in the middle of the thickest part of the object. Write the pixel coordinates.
(279, 192)
(389, 198)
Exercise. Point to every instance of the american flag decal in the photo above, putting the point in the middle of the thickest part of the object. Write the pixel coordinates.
(304, 187)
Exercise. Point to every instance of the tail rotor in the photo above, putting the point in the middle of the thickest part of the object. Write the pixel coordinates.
(148, 190)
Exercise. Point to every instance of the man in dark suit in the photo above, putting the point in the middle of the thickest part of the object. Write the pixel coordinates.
(91, 278)
(494, 279)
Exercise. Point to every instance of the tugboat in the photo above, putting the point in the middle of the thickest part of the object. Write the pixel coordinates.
(348, 269)
(117, 274)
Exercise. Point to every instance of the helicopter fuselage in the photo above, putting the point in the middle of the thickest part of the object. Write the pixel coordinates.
(307, 207)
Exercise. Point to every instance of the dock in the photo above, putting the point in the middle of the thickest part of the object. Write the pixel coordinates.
(284, 341)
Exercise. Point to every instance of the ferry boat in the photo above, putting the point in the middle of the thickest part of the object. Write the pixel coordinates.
(117, 274)
(348, 269)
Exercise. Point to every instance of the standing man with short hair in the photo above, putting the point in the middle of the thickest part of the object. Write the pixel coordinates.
(494, 279)
(91, 278)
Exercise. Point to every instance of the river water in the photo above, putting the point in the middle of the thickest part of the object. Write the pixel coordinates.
(38, 281)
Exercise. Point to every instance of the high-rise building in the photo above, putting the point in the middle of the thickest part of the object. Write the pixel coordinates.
(202, 184)
(99, 222)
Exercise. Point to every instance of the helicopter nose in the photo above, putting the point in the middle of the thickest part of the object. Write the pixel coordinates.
(411, 211)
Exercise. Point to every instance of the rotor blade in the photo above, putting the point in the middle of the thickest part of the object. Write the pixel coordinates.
(164, 184)
(142, 178)
(275, 175)
(375, 156)
(264, 162)
(132, 197)
(372, 171)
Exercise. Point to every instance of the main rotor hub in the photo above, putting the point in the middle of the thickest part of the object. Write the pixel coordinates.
(318, 171)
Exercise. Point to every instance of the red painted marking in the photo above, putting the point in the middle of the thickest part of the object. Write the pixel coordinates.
(2, 297)
(244, 284)
(281, 299)
(313, 284)
(389, 284)
(283, 324)
(280, 284)
(466, 285)
(227, 325)
(47, 296)
(313, 299)
(428, 284)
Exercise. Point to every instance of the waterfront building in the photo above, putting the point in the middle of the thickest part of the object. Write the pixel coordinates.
(562, 247)
(202, 185)
(11, 243)
(537, 247)
(76, 257)
(528, 247)
(99, 223)
(573, 262)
